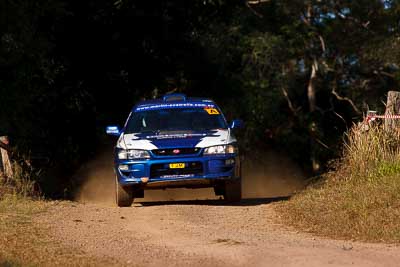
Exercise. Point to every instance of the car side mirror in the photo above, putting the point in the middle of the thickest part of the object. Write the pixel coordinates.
(113, 130)
(236, 124)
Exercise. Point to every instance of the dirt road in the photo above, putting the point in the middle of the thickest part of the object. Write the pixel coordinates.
(157, 231)
(201, 233)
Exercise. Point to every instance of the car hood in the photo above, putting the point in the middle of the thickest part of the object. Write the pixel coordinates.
(172, 139)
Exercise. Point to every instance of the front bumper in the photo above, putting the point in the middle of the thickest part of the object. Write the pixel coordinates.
(199, 171)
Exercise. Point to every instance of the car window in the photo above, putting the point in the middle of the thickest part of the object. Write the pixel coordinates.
(196, 119)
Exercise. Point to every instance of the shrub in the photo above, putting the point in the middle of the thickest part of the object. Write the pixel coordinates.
(359, 198)
(21, 183)
(371, 154)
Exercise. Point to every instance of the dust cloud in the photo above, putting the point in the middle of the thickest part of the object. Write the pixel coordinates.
(274, 175)
(96, 179)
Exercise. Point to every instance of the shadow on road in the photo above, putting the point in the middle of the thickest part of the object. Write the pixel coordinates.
(216, 202)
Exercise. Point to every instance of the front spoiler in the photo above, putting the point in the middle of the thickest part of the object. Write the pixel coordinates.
(192, 182)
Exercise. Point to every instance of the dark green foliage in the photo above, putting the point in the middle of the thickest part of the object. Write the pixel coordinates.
(68, 68)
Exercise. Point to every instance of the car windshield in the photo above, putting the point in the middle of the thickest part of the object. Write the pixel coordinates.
(175, 119)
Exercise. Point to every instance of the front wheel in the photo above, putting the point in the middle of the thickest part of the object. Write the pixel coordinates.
(233, 190)
(123, 195)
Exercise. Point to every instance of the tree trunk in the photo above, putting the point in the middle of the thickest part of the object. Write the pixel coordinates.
(312, 108)
(6, 168)
(392, 108)
(311, 85)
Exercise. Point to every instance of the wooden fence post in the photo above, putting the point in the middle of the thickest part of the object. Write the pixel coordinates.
(6, 168)
(392, 108)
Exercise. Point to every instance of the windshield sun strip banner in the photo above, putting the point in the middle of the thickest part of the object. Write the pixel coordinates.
(175, 105)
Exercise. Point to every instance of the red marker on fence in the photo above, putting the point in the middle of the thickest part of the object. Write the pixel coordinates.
(371, 116)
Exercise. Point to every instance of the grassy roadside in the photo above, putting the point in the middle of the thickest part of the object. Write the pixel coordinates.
(25, 242)
(17, 233)
(360, 199)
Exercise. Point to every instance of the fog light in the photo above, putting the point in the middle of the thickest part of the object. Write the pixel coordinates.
(229, 161)
(144, 179)
(124, 167)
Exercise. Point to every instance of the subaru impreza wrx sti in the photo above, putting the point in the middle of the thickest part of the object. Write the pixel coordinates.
(176, 142)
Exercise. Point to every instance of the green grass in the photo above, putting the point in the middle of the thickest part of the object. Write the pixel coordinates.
(360, 199)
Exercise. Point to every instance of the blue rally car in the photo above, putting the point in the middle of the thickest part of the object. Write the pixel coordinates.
(176, 142)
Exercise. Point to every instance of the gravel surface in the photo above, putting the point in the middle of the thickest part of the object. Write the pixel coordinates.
(201, 233)
(172, 228)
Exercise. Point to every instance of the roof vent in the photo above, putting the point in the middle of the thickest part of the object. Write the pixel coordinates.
(174, 97)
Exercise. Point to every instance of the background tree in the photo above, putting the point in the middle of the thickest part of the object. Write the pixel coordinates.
(298, 72)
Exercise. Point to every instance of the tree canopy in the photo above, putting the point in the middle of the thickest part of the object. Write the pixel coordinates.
(298, 72)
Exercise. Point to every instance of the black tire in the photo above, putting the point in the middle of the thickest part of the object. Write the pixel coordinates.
(233, 190)
(123, 195)
(219, 189)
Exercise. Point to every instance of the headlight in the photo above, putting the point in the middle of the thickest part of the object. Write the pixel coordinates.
(222, 149)
(133, 154)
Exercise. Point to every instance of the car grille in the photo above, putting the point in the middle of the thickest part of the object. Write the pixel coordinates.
(163, 170)
(175, 151)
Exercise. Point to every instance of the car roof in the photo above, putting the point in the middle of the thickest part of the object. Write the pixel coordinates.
(174, 100)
